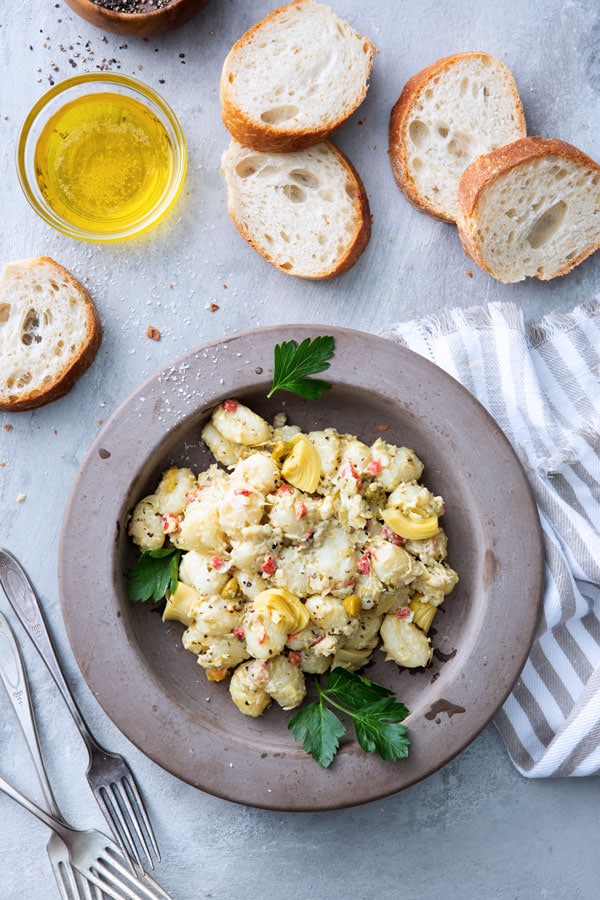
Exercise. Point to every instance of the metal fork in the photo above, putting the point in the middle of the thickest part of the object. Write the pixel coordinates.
(108, 774)
(98, 859)
(13, 675)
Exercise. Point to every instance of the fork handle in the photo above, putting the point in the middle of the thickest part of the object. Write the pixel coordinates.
(14, 677)
(63, 830)
(27, 608)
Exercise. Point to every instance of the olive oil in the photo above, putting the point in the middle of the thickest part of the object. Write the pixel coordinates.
(103, 162)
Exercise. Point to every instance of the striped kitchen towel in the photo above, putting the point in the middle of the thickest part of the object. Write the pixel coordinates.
(541, 383)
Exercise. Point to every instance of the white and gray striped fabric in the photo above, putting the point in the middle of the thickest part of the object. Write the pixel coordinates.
(541, 382)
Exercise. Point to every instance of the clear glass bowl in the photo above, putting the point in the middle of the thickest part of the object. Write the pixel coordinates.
(36, 185)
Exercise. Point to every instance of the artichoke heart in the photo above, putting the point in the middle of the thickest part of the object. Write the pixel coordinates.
(417, 529)
(302, 468)
(180, 603)
(423, 613)
(282, 608)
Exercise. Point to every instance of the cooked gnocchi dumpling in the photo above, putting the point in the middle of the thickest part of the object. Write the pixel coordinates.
(300, 552)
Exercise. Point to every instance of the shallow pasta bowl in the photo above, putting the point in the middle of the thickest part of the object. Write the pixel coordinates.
(153, 689)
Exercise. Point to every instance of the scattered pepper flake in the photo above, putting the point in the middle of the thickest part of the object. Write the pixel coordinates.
(214, 307)
(469, 273)
(153, 333)
(382, 427)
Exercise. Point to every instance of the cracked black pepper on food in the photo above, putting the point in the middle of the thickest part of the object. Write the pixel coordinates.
(132, 6)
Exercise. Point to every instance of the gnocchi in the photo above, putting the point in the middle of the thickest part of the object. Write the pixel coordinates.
(299, 552)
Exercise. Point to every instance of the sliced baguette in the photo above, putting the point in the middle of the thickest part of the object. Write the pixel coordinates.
(446, 116)
(531, 208)
(49, 333)
(306, 212)
(293, 78)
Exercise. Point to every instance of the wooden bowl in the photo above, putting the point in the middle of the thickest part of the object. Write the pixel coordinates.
(174, 14)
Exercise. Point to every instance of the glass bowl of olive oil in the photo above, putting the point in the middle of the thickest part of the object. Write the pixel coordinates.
(101, 157)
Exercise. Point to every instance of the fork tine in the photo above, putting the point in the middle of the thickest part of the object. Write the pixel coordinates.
(140, 817)
(105, 889)
(129, 883)
(84, 888)
(118, 824)
(65, 880)
(113, 859)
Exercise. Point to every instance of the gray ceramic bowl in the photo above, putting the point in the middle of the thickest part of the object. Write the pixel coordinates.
(153, 689)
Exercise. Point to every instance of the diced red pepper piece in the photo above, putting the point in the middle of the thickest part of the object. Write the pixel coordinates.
(300, 510)
(170, 523)
(349, 470)
(374, 467)
(364, 565)
(295, 658)
(403, 613)
(391, 536)
(230, 405)
(269, 565)
(216, 562)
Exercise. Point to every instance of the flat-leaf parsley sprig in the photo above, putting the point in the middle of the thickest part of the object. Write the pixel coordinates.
(373, 708)
(154, 574)
(295, 362)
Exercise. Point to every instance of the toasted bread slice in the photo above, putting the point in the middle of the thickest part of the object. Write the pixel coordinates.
(306, 212)
(293, 78)
(448, 115)
(531, 208)
(49, 333)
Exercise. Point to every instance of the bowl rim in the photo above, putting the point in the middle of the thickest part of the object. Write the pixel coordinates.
(143, 93)
(116, 16)
(496, 650)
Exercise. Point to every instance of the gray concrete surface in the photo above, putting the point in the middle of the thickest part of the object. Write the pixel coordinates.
(475, 829)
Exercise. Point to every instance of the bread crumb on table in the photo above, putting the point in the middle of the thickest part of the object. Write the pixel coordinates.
(21, 497)
(153, 333)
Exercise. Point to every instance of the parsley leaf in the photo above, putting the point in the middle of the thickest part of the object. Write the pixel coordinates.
(378, 729)
(373, 708)
(355, 690)
(321, 730)
(295, 362)
(154, 574)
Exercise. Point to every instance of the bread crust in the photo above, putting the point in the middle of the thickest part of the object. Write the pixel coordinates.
(398, 127)
(78, 362)
(486, 169)
(262, 136)
(358, 242)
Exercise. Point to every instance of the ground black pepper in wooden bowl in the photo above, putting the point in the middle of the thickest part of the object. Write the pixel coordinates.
(137, 18)
(132, 6)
